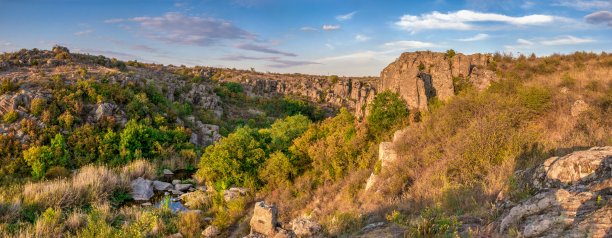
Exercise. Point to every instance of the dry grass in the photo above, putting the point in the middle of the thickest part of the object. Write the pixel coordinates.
(139, 168)
(90, 185)
(190, 223)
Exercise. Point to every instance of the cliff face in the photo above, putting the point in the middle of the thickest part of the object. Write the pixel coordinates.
(420, 76)
(352, 93)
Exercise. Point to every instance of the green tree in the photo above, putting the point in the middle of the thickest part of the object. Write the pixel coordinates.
(59, 150)
(277, 170)
(233, 159)
(282, 132)
(386, 111)
(136, 141)
(39, 159)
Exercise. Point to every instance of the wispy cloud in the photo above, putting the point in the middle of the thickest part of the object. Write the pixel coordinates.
(346, 17)
(114, 20)
(308, 28)
(467, 20)
(600, 17)
(143, 48)
(409, 44)
(477, 37)
(330, 27)
(585, 4)
(84, 32)
(362, 38)
(177, 28)
(567, 40)
(522, 44)
(263, 49)
(275, 61)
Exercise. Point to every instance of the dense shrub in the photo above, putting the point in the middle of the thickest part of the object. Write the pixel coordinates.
(10, 117)
(7, 86)
(386, 111)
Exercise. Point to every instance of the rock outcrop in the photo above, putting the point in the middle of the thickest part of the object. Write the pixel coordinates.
(420, 76)
(386, 156)
(574, 198)
(264, 220)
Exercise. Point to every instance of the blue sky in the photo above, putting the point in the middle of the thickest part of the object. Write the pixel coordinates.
(344, 37)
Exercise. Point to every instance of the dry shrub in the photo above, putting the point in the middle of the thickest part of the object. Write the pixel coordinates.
(57, 172)
(139, 168)
(90, 184)
(75, 221)
(190, 223)
(49, 224)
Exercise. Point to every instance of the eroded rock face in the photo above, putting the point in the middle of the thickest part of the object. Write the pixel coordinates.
(264, 220)
(420, 76)
(574, 198)
(386, 156)
(352, 93)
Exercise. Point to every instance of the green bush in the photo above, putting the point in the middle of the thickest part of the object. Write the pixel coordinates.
(7, 86)
(37, 106)
(10, 117)
(450, 53)
(39, 159)
(233, 159)
(333, 79)
(277, 170)
(281, 133)
(535, 99)
(386, 111)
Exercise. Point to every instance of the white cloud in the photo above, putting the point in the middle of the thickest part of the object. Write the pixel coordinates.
(263, 49)
(345, 17)
(465, 19)
(477, 37)
(114, 20)
(567, 40)
(330, 27)
(82, 33)
(330, 46)
(5, 43)
(308, 28)
(362, 38)
(408, 44)
(524, 42)
(585, 5)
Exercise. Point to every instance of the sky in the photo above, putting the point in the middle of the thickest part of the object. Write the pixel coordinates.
(323, 37)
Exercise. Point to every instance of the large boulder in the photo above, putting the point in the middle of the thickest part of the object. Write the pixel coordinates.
(264, 220)
(142, 189)
(386, 156)
(573, 198)
(162, 186)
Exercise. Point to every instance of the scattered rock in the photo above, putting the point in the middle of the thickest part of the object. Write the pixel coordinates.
(146, 204)
(211, 231)
(176, 235)
(176, 181)
(167, 172)
(162, 186)
(264, 219)
(142, 189)
(183, 187)
(372, 226)
(304, 227)
(578, 107)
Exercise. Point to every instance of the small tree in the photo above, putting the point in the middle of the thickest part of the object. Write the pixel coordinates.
(386, 111)
(450, 53)
(10, 117)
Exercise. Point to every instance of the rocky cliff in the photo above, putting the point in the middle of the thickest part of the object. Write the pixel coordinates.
(352, 93)
(420, 76)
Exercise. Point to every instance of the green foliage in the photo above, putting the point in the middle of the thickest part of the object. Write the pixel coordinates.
(282, 132)
(421, 66)
(39, 159)
(37, 106)
(433, 222)
(386, 111)
(7, 86)
(288, 106)
(535, 99)
(277, 170)
(461, 84)
(234, 159)
(450, 53)
(333, 79)
(59, 150)
(10, 117)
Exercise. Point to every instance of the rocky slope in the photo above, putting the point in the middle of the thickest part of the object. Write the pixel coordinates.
(420, 76)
